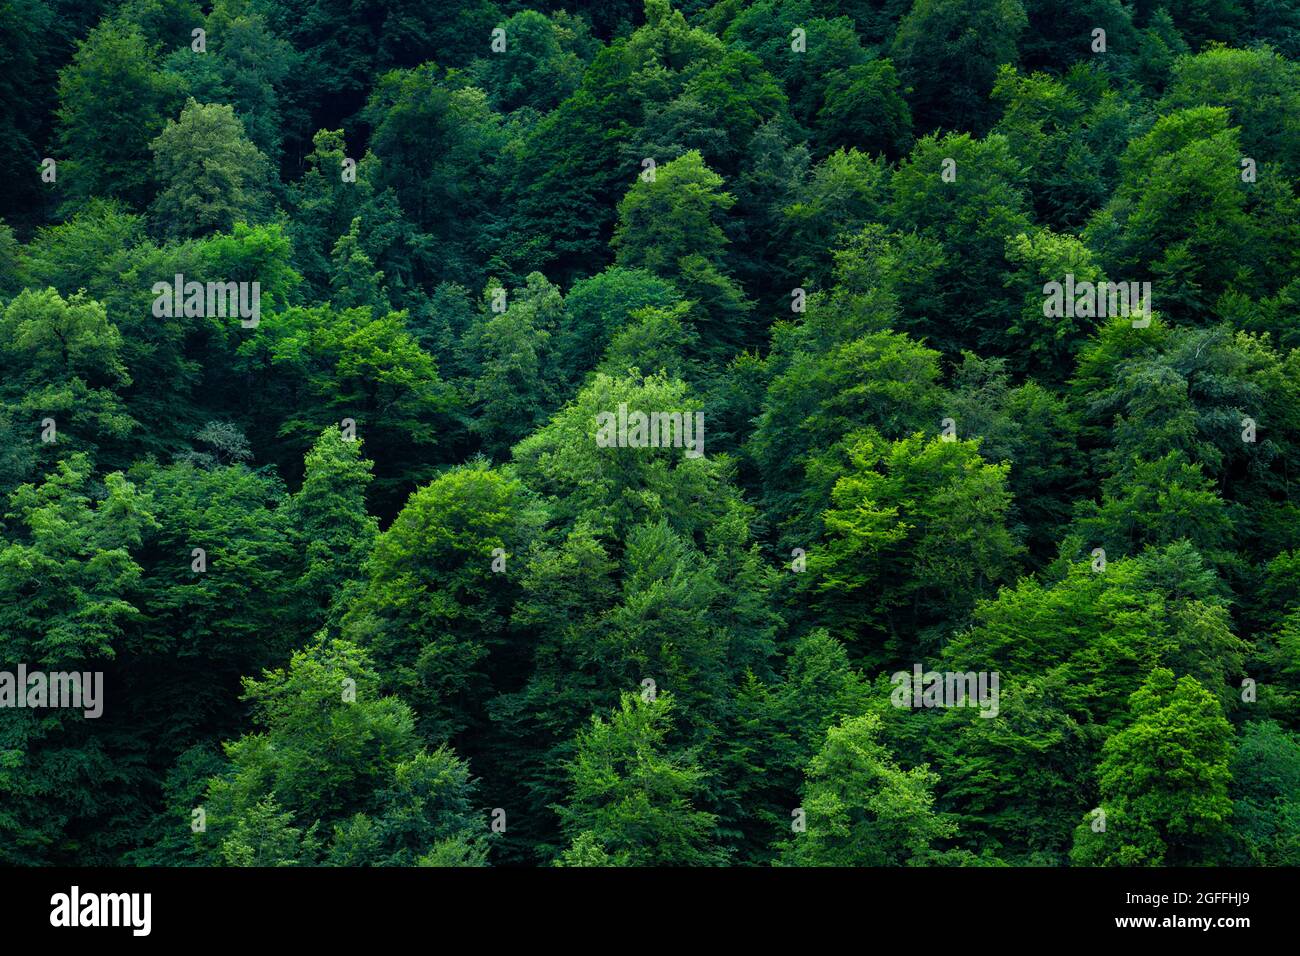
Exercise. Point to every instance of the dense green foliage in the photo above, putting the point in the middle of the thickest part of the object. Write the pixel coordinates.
(369, 583)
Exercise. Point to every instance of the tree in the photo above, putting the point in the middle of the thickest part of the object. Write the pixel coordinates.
(778, 727)
(674, 215)
(1259, 88)
(1179, 214)
(336, 769)
(69, 593)
(823, 387)
(438, 591)
(1011, 782)
(1190, 391)
(180, 363)
(865, 109)
(88, 251)
(428, 137)
(324, 206)
(831, 48)
(843, 193)
(62, 363)
(964, 194)
(1033, 340)
(329, 515)
(245, 66)
(1071, 131)
(671, 226)
(354, 283)
(661, 340)
(563, 198)
(427, 817)
(648, 568)
(1209, 20)
(113, 102)
(516, 384)
(219, 572)
(1157, 503)
(631, 798)
(364, 368)
(598, 308)
(545, 65)
(25, 47)
(265, 836)
(948, 51)
(1164, 778)
(210, 175)
(1102, 631)
(1060, 33)
(861, 809)
(1265, 781)
(720, 108)
(915, 534)
(1032, 428)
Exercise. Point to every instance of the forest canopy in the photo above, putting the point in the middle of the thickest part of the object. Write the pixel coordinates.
(648, 433)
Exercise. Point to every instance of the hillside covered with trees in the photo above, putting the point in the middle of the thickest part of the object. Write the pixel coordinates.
(611, 415)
